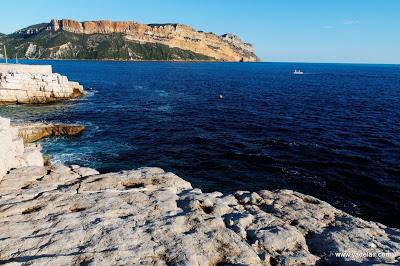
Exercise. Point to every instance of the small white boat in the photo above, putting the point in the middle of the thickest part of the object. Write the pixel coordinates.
(297, 72)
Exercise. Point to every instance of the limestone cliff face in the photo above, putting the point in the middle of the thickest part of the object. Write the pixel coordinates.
(227, 47)
(13, 153)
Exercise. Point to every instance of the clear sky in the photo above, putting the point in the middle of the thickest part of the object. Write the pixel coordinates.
(363, 31)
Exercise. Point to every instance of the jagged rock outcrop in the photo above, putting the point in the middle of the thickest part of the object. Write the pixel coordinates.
(126, 40)
(73, 215)
(31, 132)
(13, 153)
(17, 85)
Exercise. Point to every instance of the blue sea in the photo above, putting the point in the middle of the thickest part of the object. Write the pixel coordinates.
(333, 132)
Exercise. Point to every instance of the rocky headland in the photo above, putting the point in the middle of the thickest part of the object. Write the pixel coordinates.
(35, 84)
(72, 215)
(125, 40)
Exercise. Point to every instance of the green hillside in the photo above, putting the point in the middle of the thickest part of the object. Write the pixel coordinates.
(47, 44)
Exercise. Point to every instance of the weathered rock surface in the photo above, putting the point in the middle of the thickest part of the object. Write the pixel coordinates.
(20, 68)
(72, 215)
(24, 87)
(31, 132)
(13, 153)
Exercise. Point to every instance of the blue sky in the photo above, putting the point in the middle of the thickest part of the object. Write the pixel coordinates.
(360, 31)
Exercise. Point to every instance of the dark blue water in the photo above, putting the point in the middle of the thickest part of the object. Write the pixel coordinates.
(333, 132)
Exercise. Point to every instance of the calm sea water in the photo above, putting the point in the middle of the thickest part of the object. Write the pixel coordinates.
(333, 132)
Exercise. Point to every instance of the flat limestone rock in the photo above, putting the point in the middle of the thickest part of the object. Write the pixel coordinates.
(17, 85)
(31, 132)
(67, 215)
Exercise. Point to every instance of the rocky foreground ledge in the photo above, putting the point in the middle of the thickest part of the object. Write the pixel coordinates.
(31, 132)
(70, 215)
(35, 84)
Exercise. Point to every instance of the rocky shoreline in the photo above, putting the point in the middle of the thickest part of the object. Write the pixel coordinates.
(35, 84)
(74, 215)
(31, 132)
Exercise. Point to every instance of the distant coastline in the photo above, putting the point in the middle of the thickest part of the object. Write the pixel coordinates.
(69, 39)
(12, 60)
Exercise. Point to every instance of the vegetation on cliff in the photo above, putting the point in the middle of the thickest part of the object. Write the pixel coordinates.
(67, 45)
(68, 39)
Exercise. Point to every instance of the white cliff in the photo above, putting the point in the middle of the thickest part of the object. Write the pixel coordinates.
(13, 152)
(35, 84)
